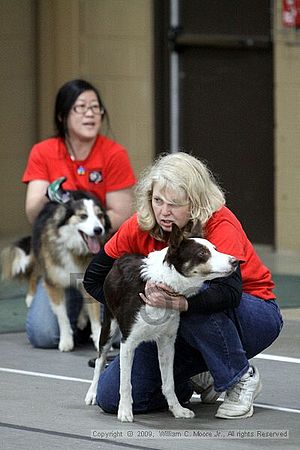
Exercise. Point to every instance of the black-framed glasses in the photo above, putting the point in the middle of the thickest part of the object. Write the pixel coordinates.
(82, 109)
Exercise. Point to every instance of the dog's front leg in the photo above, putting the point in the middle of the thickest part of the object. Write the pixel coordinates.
(90, 398)
(107, 334)
(165, 346)
(58, 304)
(126, 359)
(93, 308)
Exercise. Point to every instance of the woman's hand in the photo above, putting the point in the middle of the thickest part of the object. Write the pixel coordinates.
(161, 296)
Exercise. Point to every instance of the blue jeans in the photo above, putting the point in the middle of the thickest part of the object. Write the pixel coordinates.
(221, 343)
(41, 324)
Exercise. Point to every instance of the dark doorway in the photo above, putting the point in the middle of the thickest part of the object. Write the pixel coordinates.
(225, 67)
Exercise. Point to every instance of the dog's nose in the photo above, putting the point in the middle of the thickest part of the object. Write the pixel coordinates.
(98, 231)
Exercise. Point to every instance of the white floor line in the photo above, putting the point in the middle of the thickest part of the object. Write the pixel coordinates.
(82, 380)
(44, 375)
(261, 405)
(278, 358)
(277, 408)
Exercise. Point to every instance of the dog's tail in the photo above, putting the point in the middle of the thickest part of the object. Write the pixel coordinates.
(17, 260)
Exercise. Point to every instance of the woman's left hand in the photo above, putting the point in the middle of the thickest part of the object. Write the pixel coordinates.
(161, 296)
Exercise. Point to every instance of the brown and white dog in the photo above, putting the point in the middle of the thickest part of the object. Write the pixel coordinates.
(184, 266)
(64, 238)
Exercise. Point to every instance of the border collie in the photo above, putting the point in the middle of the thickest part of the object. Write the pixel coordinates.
(184, 266)
(64, 238)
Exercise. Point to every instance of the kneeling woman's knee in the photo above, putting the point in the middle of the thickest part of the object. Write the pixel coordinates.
(41, 324)
(107, 396)
(41, 334)
(38, 338)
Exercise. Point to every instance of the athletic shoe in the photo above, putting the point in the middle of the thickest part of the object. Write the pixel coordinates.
(203, 384)
(238, 402)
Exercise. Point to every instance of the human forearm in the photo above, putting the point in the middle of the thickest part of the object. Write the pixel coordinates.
(95, 275)
(222, 294)
(35, 198)
(119, 207)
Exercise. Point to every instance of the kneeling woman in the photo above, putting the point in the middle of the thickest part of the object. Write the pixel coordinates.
(228, 322)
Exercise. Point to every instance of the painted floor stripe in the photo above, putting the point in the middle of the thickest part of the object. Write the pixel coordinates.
(277, 408)
(82, 380)
(44, 375)
(278, 358)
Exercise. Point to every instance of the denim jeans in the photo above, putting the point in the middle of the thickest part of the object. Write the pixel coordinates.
(221, 343)
(41, 324)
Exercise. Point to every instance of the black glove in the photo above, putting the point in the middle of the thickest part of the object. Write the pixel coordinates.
(56, 193)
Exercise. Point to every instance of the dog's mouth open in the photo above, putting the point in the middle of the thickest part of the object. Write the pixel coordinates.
(92, 242)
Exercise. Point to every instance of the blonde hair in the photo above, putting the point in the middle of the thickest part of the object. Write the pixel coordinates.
(185, 175)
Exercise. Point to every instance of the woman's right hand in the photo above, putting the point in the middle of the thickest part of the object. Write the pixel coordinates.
(56, 193)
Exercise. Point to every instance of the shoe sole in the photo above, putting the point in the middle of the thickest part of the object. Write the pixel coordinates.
(245, 415)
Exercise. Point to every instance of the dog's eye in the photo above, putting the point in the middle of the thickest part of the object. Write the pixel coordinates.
(83, 216)
(100, 216)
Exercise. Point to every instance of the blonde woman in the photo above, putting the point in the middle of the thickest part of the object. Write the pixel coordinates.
(223, 326)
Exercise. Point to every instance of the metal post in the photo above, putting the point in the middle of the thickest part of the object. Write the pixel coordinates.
(174, 82)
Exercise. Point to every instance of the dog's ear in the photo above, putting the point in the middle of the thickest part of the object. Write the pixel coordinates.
(63, 213)
(197, 230)
(175, 240)
(176, 237)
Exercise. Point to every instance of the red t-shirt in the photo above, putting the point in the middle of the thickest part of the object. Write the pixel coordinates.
(223, 229)
(106, 169)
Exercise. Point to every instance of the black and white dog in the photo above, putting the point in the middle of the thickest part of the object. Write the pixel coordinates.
(184, 266)
(63, 240)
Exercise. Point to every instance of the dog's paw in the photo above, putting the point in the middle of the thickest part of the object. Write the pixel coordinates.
(66, 343)
(125, 413)
(90, 398)
(183, 413)
(28, 300)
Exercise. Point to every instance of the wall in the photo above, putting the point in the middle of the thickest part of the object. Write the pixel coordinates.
(116, 52)
(108, 42)
(17, 108)
(45, 43)
(287, 134)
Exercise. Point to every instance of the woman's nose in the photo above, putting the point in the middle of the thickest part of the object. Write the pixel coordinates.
(166, 209)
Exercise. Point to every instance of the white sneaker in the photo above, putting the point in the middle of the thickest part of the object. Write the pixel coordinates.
(238, 402)
(203, 384)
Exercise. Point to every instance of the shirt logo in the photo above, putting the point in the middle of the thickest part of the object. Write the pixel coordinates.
(95, 176)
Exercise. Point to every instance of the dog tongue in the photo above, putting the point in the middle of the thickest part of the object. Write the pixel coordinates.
(93, 244)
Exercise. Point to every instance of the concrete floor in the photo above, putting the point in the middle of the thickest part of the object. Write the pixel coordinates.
(42, 398)
(42, 405)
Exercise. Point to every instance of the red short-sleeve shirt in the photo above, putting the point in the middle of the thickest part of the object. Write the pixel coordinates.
(223, 229)
(106, 169)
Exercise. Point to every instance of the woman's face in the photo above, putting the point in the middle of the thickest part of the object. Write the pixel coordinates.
(168, 208)
(84, 125)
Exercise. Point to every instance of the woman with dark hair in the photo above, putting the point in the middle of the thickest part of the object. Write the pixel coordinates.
(79, 152)
(84, 159)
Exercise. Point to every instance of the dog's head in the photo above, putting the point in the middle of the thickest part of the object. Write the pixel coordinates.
(197, 257)
(85, 215)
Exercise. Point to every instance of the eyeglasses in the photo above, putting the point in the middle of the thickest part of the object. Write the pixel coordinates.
(83, 109)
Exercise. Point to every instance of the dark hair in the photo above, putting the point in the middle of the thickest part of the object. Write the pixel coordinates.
(66, 98)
